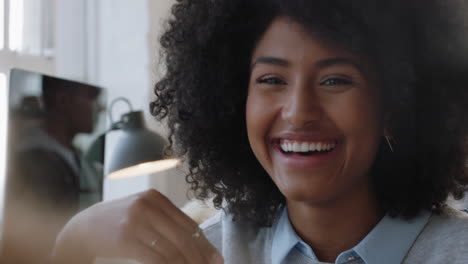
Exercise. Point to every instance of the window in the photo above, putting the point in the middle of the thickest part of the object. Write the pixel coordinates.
(2, 23)
(27, 35)
(29, 27)
(3, 136)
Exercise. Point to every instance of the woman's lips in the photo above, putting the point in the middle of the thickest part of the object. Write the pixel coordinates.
(305, 154)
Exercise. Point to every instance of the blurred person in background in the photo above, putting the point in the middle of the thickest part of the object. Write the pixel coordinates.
(47, 170)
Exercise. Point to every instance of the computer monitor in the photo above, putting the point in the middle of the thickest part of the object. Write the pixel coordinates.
(54, 158)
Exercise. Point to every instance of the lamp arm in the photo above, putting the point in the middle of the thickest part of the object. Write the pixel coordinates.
(118, 99)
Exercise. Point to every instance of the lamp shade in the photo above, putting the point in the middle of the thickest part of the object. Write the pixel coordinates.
(137, 147)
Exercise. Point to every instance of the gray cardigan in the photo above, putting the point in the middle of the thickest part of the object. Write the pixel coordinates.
(444, 240)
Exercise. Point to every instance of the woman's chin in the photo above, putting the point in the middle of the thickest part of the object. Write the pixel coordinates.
(306, 192)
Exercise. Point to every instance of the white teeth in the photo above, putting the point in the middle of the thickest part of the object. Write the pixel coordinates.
(304, 147)
(295, 146)
(319, 146)
(284, 147)
(312, 147)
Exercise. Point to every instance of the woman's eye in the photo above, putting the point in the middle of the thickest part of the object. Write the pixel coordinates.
(336, 81)
(271, 80)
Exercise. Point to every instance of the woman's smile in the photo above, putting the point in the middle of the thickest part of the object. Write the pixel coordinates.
(301, 151)
(313, 114)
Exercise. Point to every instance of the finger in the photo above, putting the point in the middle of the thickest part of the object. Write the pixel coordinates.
(157, 199)
(144, 254)
(211, 254)
(147, 235)
(177, 235)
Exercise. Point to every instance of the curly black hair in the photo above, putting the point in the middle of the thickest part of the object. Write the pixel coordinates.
(420, 61)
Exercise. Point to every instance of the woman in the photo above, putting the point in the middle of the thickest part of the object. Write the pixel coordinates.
(334, 131)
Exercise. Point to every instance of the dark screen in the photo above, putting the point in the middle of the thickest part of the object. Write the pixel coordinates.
(54, 158)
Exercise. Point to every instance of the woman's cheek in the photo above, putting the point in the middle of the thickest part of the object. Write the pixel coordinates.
(259, 118)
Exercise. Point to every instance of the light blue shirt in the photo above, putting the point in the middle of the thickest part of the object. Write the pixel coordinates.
(387, 243)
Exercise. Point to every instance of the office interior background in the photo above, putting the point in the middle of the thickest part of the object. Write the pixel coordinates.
(109, 43)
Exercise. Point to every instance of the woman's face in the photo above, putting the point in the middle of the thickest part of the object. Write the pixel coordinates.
(313, 117)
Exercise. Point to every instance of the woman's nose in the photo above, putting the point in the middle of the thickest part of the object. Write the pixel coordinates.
(302, 107)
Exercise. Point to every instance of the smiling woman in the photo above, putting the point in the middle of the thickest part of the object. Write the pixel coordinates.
(316, 97)
(324, 126)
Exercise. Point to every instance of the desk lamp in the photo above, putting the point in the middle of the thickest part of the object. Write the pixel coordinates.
(138, 151)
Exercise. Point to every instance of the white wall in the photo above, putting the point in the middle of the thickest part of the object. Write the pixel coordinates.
(70, 41)
(122, 67)
(125, 37)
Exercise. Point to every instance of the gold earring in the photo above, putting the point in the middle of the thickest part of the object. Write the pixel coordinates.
(389, 144)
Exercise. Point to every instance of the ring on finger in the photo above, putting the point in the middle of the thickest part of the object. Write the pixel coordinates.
(154, 243)
(197, 232)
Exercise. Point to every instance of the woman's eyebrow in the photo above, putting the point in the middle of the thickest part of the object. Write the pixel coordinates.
(270, 60)
(320, 64)
(339, 61)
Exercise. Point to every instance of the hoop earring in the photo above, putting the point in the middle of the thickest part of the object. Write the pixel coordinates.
(389, 143)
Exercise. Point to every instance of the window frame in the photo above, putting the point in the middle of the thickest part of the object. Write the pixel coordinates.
(12, 59)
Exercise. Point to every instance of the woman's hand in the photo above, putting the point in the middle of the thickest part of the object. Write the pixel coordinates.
(146, 227)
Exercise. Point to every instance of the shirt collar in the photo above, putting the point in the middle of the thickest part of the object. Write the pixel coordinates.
(391, 239)
(387, 243)
(284, 238)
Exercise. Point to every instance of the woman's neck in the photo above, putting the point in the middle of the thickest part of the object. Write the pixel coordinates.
(332, 227)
